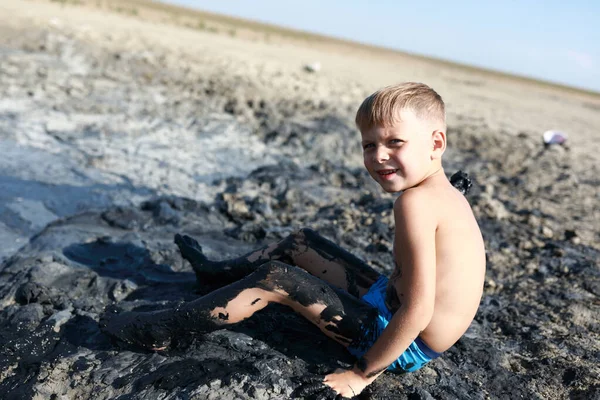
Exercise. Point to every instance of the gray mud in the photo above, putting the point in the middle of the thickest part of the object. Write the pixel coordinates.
(105, 156)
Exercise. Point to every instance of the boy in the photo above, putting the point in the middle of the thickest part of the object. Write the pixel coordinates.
(398, 324)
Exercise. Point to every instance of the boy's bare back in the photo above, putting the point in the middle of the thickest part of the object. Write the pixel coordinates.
(459, 259)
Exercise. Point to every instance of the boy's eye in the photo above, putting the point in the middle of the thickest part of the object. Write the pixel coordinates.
(396, 141)
(368, 146)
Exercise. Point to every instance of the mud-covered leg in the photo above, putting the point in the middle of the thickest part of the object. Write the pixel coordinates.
(305, 248)
(339, 315)
(329, 262)
(233, 269)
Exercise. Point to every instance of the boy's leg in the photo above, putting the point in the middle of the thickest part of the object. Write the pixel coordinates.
(338, 314)
(305, 248)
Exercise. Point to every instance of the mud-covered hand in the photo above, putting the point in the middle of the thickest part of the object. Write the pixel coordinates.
(347, 382)
(312, 387)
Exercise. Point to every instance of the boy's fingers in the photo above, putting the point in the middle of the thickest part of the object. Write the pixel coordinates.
(312, 387)
(306, 390)
(308, 379)
(316, 391)
(331, 394)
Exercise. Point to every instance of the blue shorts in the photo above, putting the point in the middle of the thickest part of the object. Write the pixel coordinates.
(415, 356)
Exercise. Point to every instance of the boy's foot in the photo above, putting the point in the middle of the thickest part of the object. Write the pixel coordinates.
(147, 330)
(192, 251)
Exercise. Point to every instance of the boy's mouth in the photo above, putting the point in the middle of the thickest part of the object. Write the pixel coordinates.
(387, 173)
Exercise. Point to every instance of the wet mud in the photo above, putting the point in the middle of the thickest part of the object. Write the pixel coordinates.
(62, 281)
(343, 317)
(96, 181)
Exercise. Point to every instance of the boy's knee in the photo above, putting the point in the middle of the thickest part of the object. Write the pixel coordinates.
(275, 274)
(299, 236)
(273, 266)
(277, 270)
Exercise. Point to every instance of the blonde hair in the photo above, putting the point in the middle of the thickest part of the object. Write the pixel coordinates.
(383, 107)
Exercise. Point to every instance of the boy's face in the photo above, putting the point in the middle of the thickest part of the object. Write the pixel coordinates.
(399, 157)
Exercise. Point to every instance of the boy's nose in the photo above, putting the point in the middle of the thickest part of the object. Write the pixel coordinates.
(381, 154)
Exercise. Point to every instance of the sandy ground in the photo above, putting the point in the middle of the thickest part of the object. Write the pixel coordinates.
(487, 103)
(503, 104)
(101, 110)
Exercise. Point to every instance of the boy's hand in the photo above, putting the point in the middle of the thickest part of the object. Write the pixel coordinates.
(341, 384)
(347, 382)
(312, 387)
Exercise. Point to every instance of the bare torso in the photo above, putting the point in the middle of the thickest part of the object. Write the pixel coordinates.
(460, 269)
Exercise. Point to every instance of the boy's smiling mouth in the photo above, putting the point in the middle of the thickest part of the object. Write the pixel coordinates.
(387, 173)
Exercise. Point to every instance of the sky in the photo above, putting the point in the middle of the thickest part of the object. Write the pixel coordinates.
(552, 40)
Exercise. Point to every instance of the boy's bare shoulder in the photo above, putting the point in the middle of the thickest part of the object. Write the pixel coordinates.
(434, 203)
(413, 207)
(416, 199)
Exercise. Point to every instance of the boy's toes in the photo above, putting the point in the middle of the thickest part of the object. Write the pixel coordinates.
(190, 249)
(134, 328)
(111, 324)
(187, 242)
(178, 239)
(191, 242)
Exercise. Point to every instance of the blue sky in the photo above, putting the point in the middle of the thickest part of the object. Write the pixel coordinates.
(553, 40)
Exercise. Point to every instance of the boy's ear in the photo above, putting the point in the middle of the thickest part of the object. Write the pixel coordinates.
(438, 141)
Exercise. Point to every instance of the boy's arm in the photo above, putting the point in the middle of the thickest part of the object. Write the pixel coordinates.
(415, 258)
(415, 281)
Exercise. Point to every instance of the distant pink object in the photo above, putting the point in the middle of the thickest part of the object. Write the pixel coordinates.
(554, 137)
